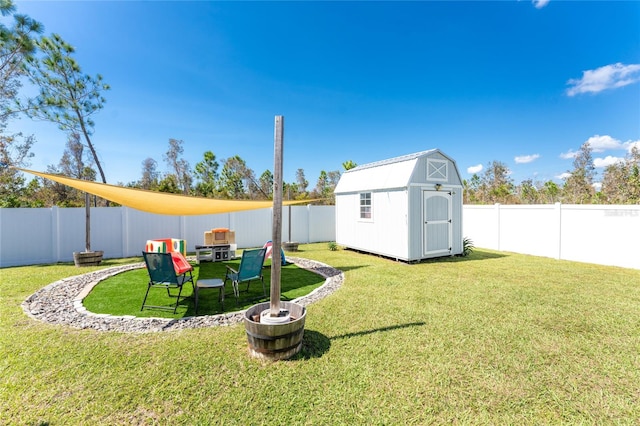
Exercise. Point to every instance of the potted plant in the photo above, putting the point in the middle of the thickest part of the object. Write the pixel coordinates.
(290, 245)
(275, 328)
(87, 257)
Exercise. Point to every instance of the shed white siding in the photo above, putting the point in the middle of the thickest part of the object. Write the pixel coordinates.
(416, 207)
(384, 233)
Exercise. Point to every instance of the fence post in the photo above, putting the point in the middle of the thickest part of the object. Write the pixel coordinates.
(124, 218)
(558, 207)
(309, 218)
(55, 234)
(497, 210)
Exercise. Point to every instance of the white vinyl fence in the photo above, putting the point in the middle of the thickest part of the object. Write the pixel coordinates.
(601, 234)
(49, 235)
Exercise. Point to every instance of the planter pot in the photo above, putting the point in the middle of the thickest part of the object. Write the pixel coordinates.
(290, 246)
(278, 341)
(87, 258)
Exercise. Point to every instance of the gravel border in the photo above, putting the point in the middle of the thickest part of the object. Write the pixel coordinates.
(61, 303)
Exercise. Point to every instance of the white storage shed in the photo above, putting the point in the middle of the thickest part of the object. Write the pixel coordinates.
(407, 208)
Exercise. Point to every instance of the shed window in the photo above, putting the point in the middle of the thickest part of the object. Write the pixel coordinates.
(365, 205)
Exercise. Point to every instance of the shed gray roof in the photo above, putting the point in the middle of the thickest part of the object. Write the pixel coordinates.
(392, 160)
(393, 173)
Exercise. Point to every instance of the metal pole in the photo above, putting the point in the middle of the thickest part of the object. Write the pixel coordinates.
(276, 237)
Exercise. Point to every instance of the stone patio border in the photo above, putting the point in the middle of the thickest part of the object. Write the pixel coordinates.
(61, 303)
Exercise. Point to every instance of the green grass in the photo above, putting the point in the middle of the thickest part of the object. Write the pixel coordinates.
(122, 294)
(493, 338)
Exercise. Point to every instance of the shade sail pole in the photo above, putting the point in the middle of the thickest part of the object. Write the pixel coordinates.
(276, 234)
(87, 222)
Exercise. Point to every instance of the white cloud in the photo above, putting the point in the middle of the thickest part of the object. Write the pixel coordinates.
(568, 155)
(630, 144)
(602, 143)
(523, 159)
(603, 78)
(606, 161)
(597, 186)
(474, 169)
(539, 4)
(564, 175)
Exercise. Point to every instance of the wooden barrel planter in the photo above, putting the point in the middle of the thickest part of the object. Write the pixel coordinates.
(275, 342)
(87, 258)
(290, 246)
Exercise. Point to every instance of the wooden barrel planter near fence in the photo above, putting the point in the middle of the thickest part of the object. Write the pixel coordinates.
(87, 258)
(290, 246)
(275, 341)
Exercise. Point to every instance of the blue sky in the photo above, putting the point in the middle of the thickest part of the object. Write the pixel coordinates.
(525, 83)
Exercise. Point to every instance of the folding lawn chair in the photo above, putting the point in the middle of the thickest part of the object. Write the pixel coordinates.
(250, 269)
(162, 274)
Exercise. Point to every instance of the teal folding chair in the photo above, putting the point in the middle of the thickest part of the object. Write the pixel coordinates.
(250, 270)
(162, 274)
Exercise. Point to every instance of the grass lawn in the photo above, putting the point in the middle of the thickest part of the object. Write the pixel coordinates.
(122, 294)
(495, 338)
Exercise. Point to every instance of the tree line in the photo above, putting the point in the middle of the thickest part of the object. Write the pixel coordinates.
(229, 179)
(620, 184)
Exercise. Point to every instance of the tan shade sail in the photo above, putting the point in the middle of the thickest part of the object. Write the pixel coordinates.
(160, 202)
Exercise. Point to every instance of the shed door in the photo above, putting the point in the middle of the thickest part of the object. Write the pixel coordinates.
(437, 229)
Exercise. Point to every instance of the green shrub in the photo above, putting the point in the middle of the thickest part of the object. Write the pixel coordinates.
(333, 246)
(467, 246)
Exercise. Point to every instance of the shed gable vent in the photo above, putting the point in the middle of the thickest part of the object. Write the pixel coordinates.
(437, 169)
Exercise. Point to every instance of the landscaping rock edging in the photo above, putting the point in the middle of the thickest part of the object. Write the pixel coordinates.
(61, 303)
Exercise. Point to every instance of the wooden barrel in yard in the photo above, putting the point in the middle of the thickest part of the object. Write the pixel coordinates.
(90, 258)
(275, 341)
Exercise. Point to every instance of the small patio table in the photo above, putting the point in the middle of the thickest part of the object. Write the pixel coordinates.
(210, 283)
